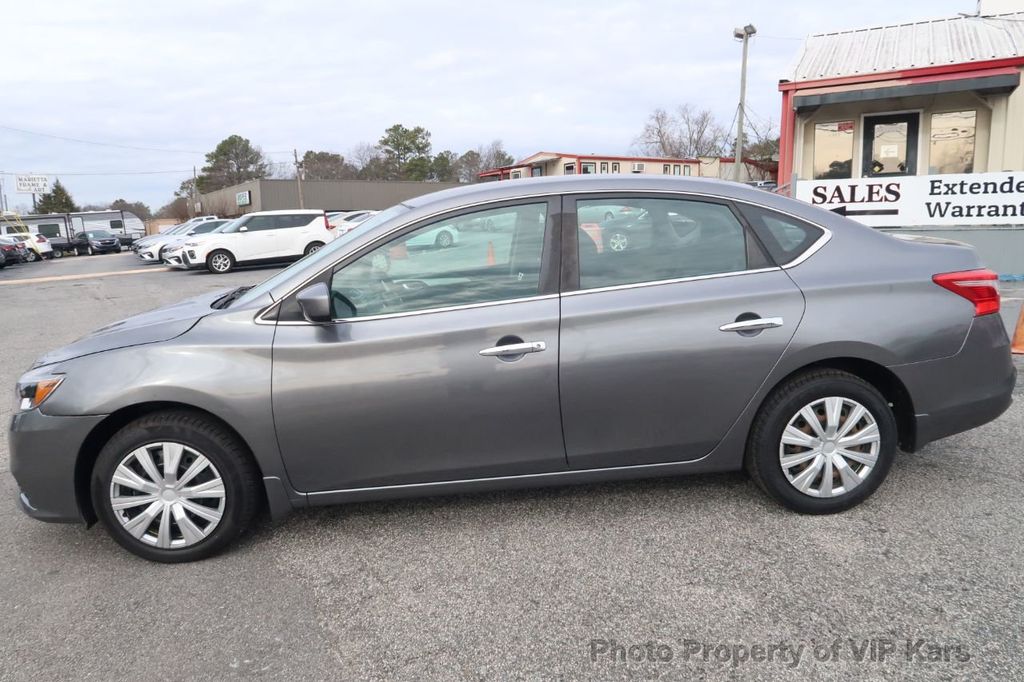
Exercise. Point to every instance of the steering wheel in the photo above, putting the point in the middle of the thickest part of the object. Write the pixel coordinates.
(391, 293)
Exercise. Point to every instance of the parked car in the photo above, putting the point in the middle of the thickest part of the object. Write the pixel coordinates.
(91, 242)
(152, 251)
(797, 344)
(257, 238)
(37, 245)
(636, 228)
(14, 250)
(3, 259)
(343, 223)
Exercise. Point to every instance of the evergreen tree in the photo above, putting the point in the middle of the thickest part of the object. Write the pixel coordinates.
(57, 200)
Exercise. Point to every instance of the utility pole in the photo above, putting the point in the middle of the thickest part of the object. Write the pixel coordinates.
(195, 193)
(743, 34)
(298, 177)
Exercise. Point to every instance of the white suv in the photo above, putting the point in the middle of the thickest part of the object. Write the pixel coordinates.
(255, 238)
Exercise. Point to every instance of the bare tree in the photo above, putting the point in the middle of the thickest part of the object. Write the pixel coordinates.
(687, 134)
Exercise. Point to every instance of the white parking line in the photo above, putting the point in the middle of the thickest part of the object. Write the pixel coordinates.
(90, 275)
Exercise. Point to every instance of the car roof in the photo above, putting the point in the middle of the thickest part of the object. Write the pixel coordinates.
(555, 184)
(292, 211)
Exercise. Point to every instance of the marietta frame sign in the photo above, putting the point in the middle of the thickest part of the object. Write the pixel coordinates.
(31, 184)
(919, 200)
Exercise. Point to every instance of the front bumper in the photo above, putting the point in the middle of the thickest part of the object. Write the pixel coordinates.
(966, 390)
(147, 256)
(43, 456)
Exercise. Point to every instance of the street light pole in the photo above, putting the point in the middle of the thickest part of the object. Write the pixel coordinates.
(743, 34)
(298, 178)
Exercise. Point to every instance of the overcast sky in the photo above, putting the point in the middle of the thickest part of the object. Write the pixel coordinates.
(553, 75)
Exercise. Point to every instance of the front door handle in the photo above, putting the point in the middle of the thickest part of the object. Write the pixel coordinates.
(513, 349)
(754, 325)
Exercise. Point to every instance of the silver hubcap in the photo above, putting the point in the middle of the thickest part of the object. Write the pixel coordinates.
(313, 248)
(220, 262)
(167, 495)
(618, 242)
(829, 447)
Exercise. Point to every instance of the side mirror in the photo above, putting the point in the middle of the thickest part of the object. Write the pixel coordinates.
(243, 228)
(190, 233)
(315, 303)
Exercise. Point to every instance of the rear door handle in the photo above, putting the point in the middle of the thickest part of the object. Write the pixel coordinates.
(513, 349)
(752, 325)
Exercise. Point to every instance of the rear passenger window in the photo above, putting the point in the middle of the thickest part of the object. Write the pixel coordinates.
(786, 238)
(629, 241)
(262, 222)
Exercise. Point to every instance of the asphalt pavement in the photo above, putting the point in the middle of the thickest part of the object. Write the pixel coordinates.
(686, 577)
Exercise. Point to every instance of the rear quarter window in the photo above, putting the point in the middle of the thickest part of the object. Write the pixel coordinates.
(786, 238)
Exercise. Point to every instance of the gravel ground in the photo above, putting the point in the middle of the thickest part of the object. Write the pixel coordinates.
(531, 584)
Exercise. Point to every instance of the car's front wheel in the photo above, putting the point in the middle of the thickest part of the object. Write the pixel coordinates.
(220, 262)
(822, 442)
(444, 239)
(58, 253)
(175, 486)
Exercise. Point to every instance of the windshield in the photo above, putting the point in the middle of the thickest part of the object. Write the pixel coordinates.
(99, 234)
(327, 253)
(209, 226)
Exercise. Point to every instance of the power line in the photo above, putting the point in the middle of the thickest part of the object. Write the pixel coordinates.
(115, 144)
(65, 173)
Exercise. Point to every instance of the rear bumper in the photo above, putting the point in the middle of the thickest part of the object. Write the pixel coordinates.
(43, 455)
(964, 391)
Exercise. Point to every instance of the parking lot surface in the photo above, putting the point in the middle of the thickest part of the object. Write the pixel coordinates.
(700, 571)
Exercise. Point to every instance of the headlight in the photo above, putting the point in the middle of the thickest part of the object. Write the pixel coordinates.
(32, 394)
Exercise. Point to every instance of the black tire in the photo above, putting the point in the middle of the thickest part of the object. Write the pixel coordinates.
(444, 239)
(213, 264)
(608, 215)
(89, 251)
(762, 455)
(241, 477)
(32, 256)
(58, 253)
(313, 247)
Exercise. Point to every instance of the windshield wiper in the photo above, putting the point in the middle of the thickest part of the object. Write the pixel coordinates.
(226, 301)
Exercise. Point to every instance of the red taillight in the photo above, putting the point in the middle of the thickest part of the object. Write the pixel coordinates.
(327, 223)
(41, 239)
(977, 286)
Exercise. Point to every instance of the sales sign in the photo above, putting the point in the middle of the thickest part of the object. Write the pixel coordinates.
(922, 200)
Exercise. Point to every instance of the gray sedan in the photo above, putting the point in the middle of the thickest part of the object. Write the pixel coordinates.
(767, 335)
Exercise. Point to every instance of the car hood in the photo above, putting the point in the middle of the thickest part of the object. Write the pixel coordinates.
(154, 326)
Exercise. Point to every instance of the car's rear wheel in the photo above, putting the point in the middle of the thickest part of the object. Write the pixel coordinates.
(313, 247)
(220, 262)
(58, 253)
(32, 256)
(175, 486)
(822, 442)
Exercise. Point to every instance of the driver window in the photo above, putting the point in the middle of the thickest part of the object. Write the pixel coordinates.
(480, 257)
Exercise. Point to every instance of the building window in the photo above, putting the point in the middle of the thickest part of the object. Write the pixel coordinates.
(516, 175)
(890, 145)
(615, 167)
(677, 169)
(952, 142)
(686, 169)
(666, 169)
(536, 171)
(604, 166)
(833, 150)
(569, 169)
(588, 168)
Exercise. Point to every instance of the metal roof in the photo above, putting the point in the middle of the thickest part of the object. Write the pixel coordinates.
(935, 42)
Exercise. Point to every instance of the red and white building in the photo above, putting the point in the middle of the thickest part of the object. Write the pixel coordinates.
(915, 126)
(557, 163)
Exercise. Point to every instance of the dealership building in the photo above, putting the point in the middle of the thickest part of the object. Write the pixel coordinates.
(915, 126)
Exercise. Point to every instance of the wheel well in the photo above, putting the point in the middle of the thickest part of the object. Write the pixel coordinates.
(887, 383)
(114, 422)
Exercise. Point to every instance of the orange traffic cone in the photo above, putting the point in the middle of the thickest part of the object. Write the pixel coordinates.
(490, 254)
(1018, 335)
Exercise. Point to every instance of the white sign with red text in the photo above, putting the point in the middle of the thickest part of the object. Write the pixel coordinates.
(921, 200)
